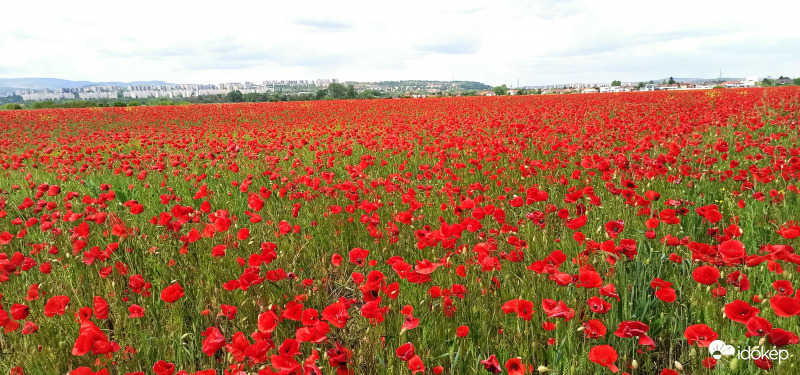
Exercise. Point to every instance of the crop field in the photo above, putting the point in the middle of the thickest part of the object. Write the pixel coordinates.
(566, 234)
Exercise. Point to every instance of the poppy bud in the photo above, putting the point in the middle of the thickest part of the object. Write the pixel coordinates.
(678, 366)
(542, 369)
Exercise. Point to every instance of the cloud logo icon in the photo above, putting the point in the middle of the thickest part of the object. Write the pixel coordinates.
(718, 348)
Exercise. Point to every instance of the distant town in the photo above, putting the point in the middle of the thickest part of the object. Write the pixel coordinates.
(193, 90)
(275, 90)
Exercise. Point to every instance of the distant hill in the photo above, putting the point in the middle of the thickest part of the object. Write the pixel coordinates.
(54, 83)
(465, 85)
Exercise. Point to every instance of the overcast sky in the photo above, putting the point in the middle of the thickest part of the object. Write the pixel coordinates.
(495, 42)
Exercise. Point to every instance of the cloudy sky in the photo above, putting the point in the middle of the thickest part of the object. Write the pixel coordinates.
(495, 42)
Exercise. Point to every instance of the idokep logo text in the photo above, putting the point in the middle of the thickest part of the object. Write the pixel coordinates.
(719, 348)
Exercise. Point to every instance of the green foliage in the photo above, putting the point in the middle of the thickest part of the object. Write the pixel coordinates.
(254, 97)
(671, 81)
(796, 81)
(119, 104)
(44, 104)
(235, 96)
(472, 85)
(370, 94)
(640, 85)
(616, 83)
(337, 91)
(12, 106)
(134, 103)
(158, 101)
(522, 92)
(500, 90)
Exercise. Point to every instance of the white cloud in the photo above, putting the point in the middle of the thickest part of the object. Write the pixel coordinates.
(538, 42)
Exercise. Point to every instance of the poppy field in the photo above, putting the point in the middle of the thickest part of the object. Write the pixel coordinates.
(571, 234)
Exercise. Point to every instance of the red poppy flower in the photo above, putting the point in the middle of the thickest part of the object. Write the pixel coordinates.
(84, 371)
(30, 327)
(336, 314)
(19, 311)
(701, 334)
(228, 311)
(666, 294)
(136, 311)
(514, 366)
(243, 234)
(523, 308)
(598, 305)
(758, 326)
(358, 256)
(267, 321)
(604, 355)
(100, 308)
(609, 290)
(652, 195)
(172, 293)
(405, 352)
(163, 368)
(56, 305)
(631, 329)
(732, 252)
(462, 331)
(293, 311)
(558, 309)
(785, 306)
(614, 228)
(740, 311)
(91, 338)
(589, 278)
(218, 251)
(706, 275)
(214, 340)
(594, 329)
(415, 365)
(763, 362)
(491, 364)
(784, 287)
(781, 337)
(577, 223)
(410, 322)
